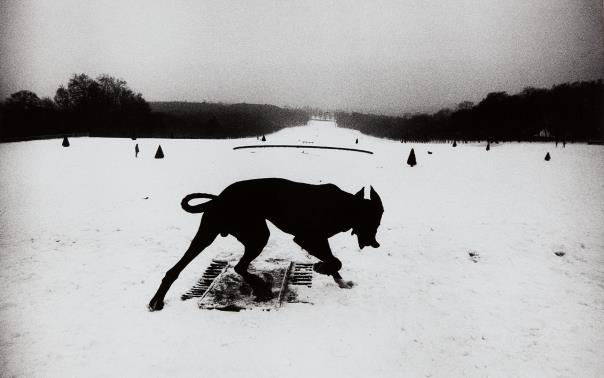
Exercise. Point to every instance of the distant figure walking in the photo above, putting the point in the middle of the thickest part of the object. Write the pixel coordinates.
(65, 142)
(547, 157)
(136, 150)
(263, 138)
(357, 141)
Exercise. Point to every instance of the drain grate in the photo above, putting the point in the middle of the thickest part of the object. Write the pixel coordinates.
(216, 268)
(221, 288)
(301, 274)
(230, 291)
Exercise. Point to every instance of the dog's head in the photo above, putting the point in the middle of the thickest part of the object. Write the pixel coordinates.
(369, 219)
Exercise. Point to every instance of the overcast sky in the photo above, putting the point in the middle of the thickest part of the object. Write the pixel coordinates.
(381, 56)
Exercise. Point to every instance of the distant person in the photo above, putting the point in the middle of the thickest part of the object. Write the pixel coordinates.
(136, 151)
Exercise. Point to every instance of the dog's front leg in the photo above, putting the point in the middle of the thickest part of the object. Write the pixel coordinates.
(329, 264)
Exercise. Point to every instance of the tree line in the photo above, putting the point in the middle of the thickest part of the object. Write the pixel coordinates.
(104, 106)
(107, 107)
(215, 120)
(569, 111)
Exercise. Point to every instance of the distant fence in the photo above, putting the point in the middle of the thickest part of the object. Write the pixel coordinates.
(303, 146)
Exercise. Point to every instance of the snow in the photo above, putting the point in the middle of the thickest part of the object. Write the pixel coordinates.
(82, 250)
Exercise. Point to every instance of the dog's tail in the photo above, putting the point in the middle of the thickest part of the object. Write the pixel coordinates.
(196, 208)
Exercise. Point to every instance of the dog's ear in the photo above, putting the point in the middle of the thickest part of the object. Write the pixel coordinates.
(375, 198)
(361, 193)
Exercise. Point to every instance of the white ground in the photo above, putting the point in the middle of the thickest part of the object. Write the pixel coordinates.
(82, 252)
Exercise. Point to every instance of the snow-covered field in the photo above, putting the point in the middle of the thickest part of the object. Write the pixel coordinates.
(87, 232)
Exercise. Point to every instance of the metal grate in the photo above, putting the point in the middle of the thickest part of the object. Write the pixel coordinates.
(216, 268)
(223, 289)
(301, 274)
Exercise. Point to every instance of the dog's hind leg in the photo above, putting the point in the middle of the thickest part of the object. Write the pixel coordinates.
(253, 236)
(329, 265)
(204, 237)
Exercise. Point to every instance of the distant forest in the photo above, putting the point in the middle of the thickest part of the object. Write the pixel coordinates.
(106, 107)
(211, 120)
(570, 111)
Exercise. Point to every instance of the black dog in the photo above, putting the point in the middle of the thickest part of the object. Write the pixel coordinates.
(312, 213)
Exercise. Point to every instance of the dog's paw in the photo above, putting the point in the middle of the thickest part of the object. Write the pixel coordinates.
(155, 305)
(344, 284)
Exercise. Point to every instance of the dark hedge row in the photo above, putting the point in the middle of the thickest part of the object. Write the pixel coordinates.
(106, 107)
(571, 111)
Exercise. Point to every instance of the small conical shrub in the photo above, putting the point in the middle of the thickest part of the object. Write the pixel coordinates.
(263, 138)
(65, 142)
(547, 157)
(159, 154)
(454, 143)
(488, 146)
(411, 159)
